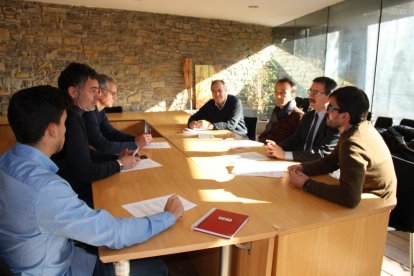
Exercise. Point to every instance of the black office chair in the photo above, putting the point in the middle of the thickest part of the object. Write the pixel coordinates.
(251, 124)
(114, 109)
(383, 122)
(4, 269)
(369, 116)
(402, 216)
(407, 122)
(302, 103)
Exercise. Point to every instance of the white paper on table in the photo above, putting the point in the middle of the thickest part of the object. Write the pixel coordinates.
(255, 168)
(240, 144)
(157, 145)
(205, 135)
(193, 131)
(155, 205)
(144, 164)
(246, 156)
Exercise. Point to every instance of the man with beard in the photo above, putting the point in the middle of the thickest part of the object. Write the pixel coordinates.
(285, 118)
(77, 163)
(313, 139)
(362, 156)
(42, 218)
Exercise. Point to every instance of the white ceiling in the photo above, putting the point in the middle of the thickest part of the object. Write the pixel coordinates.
(268, 13)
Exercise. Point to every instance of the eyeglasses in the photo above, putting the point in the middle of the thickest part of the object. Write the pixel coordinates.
(314, 92)
(330, 108)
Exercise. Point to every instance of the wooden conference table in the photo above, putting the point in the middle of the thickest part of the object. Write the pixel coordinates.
(289, 232)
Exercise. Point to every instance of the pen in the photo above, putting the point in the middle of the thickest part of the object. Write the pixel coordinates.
(135, 152)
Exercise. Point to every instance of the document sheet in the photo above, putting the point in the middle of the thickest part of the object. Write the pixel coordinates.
(155, 205)
(144, 164)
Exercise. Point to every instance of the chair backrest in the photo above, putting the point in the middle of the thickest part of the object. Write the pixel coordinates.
(251, 124)
(302, 103)
(4, 269)
(402, 216)
(369, 116)
(407, 122)
(114, 109)
(383, 122)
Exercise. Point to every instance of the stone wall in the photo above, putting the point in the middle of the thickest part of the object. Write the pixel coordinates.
(143, 51)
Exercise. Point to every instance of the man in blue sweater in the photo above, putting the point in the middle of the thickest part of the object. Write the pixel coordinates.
(43, 215)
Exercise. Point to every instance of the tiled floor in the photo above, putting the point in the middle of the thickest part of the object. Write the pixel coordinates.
(396, 255)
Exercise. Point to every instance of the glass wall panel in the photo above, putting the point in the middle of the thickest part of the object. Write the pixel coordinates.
(310, 49)
(352, 43)
(394, 82)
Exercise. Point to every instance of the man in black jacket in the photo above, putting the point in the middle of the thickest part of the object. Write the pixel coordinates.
(77, 163)
(222, 112)
(313, 139)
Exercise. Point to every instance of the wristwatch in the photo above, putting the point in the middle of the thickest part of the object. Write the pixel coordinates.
(306, 185)
(121, 166)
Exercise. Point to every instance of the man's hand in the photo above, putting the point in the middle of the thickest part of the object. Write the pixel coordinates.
(195, 124)
(174, 206)
(128, 160)
(296, 176)
(201, 124)
(274, 150)
(206, 124)
(143, 140)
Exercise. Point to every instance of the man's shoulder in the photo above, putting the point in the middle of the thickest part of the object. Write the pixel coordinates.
(297, 113)
(91, 117)
(209, 102)
(233, 98)
(32, 176)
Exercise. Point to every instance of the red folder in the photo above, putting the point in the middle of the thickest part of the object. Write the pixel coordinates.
(220, 223)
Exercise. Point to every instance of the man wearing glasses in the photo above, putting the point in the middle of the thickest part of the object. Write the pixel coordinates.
(285, 118)
(102, 136)
(362, 156)
(313, 139)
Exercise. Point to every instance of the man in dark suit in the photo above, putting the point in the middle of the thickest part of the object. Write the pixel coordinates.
(313, 139)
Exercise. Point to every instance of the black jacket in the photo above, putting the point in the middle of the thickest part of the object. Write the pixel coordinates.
(325, 140)
(77, 163)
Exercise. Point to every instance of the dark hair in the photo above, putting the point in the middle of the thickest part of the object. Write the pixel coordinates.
(103, 81)
(352, 100)
(31, 110)
(219, 81)
(329, 84)
(291, 83)
(75, 74)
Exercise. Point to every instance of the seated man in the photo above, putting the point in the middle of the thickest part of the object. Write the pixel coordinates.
(44, 215)
(313, 139)
(362, 156)
(224, 111)
(77, 163)
(101, 135)
(285, 118)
